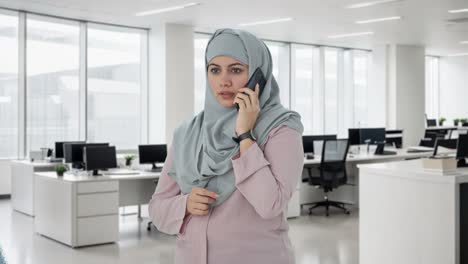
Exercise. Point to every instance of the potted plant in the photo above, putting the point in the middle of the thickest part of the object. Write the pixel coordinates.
(128, 159)
(463, 120)
(441, 121)
(61, 169)
(456, 121)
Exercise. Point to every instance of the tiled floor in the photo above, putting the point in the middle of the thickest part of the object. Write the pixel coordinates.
(316, 239)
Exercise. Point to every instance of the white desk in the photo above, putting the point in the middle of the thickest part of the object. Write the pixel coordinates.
(349, 193)
(22, 183)
(83, 210)
(411, 215)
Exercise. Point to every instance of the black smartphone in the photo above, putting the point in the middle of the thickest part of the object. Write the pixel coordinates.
(257, 77)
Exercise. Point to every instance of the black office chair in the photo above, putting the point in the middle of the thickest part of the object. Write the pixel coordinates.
(446, 143)
(332, 172)
(150, 223)
(431, 122)
(430, 139)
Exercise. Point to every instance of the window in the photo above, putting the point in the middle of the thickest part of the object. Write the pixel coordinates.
(52, 83)
(280, 58)
(432, 87)
(305, 91)
(114, 97)
(200, 42)
(9, 85)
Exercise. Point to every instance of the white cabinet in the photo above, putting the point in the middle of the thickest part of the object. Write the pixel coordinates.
(77, 213)
(22, 184)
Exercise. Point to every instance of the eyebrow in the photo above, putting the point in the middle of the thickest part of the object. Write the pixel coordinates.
(230, 65)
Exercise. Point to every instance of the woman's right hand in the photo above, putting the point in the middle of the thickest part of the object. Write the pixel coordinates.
(199, 200)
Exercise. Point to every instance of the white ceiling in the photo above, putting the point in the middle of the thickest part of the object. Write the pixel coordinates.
(424, 21)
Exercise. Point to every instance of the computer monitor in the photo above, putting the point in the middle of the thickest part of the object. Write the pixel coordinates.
(151, 154)
(308, 141)
(446, 143)
(59, 147)
(354, 136)
(462, 150)
(73, 153)
(99, 158)
(372, 135)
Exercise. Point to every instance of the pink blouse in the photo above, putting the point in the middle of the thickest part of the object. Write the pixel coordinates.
(250, 226)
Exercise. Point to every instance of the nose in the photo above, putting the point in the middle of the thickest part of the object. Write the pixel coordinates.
(225, 81)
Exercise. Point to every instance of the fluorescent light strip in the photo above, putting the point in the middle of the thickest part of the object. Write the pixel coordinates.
(458, 54)
(464, 42)
(378, 20)
(373, 3)
(458, 11)
(351, 35)
(267, 22)
(168, 9)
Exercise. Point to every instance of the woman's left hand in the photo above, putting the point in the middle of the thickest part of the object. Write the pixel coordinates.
(249, 109)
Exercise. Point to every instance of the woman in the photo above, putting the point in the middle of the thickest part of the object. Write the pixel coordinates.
(227, 200)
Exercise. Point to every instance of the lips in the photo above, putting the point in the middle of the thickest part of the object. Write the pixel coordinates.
(226, 95)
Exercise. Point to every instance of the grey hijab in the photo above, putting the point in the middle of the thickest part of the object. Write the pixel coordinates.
(203, 146)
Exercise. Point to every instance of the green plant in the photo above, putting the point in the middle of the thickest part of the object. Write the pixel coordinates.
(442, 120)
(61, 169)
(463, 120)
(128, 159)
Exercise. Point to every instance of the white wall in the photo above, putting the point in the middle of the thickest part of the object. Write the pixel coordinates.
(5, 177)
(453, 88)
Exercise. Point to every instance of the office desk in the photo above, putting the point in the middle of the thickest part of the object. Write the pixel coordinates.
(22, 183)
(411, 215)
(349, 193)
(84, 210)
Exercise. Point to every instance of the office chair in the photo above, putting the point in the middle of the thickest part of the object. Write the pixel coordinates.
(150, 223)
(431, 122)
(430, 139)
(446, 143)
(332, 172)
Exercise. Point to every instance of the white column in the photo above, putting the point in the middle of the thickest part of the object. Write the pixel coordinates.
(377, 88)
(406, 91)
(171, 81)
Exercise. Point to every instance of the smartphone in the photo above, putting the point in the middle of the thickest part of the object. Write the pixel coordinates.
(257, 77)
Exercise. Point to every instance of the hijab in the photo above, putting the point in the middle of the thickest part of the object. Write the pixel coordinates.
(203, 146)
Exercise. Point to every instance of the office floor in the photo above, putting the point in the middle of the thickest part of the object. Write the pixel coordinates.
(316, 240)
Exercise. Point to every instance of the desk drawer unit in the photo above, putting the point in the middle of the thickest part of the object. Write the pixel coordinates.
(97, 204)
(97, 230)
(97, 208)
(94, 187)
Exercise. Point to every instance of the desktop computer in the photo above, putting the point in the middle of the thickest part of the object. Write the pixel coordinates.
(152, 154)
(99, 158)
(59, 147)
(462, 150)
(73, 153)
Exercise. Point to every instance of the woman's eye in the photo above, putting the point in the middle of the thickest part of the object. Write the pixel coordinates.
(236, 70)
(214, 70)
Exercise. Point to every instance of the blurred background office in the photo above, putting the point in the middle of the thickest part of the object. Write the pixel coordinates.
(92, 84)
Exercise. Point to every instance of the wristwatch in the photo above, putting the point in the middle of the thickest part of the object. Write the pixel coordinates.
(243, 136)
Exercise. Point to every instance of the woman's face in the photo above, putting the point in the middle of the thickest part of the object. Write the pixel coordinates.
(226, 75)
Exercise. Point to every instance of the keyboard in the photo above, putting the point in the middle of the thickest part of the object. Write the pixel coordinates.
(419, 149)
(120, 172)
